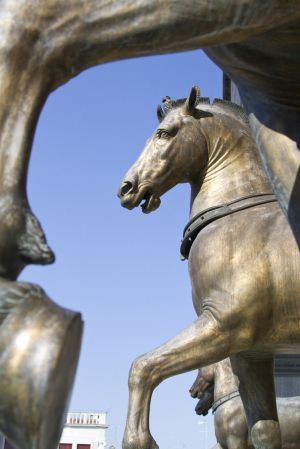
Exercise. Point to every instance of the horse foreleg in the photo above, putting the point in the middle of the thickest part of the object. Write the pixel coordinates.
(257, 392)
(202, 343)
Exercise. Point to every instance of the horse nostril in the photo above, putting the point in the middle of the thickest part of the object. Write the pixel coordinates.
(126, 188)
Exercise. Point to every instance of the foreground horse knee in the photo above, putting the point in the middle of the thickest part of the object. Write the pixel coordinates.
(265, 434)
(142, 372)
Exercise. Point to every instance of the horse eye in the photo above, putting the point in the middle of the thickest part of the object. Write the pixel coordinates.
(163, 134)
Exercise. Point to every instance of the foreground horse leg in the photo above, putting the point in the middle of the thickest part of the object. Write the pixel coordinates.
(204, 342)
(257, 391)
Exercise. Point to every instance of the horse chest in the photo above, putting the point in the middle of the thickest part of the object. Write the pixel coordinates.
(248, 265)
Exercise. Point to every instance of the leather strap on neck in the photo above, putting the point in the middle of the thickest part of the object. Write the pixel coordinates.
(207, 216)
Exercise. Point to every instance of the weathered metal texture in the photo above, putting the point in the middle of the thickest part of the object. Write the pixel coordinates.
(287, 367)
(39, 349)
(45, 43)
(244, 267)
(229, 419)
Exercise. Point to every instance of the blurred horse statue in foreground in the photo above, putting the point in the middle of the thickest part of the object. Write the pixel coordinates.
(45, 43)
(229, 416)
(243, 261)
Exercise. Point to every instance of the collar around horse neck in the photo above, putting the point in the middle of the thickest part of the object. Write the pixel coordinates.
(223, 399)
(199, 221)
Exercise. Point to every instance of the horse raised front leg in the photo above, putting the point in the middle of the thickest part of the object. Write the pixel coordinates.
(204, 342)
(257, 392)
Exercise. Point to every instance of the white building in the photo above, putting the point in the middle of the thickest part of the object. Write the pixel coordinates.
(84, 431)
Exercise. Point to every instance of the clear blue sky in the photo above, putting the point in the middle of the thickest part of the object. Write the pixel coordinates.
(121, 269)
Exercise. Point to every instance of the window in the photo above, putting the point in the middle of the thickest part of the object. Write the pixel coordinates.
(83, 446)
(65, 446)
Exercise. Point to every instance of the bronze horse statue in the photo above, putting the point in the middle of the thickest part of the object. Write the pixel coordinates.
(229, 416)
(244, 263)
(46, 43)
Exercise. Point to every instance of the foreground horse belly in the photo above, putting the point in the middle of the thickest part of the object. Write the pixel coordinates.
(245, 269)
(266, 69)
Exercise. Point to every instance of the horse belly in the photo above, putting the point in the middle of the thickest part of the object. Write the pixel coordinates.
(273, 95)
(246, 267)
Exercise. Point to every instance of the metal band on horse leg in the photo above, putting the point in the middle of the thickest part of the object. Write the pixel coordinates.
(226, 398)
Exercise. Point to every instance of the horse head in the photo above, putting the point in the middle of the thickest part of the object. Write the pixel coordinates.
(171, 155)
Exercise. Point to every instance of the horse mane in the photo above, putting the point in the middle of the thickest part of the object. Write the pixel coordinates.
(234, 108)
(168, 105)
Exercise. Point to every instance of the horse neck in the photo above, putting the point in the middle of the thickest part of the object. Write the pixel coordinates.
(225, 381)
(233, 168)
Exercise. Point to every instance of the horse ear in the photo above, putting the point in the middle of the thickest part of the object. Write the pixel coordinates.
(193, 100)
(160, 114)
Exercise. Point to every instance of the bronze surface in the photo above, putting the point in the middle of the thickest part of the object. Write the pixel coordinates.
(39, 349)
(44, 43)
(201, 220)
(229, 419)
(244, 267)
